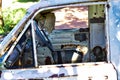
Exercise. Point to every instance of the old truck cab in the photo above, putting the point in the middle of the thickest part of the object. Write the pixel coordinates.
(65, 40)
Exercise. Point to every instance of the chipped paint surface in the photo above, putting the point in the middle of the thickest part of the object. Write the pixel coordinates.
(75, 71)
(114, 32)
(30, 12)
(50, 3)
(83, 71)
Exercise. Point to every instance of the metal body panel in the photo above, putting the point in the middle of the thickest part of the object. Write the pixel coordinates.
(97, 37)
(96, 24)
(30, 14)
(49, 3)
(114, 34)
(83, 71)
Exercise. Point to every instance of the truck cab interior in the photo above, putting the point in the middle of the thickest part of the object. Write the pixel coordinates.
(62, 35)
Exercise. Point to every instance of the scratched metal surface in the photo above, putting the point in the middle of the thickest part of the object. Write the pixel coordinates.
(30, 12)
(83, 71)
(114, 31)
(114, 34)
(49, 3)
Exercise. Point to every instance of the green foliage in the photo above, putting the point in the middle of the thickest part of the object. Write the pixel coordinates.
(11, 18)
(27, 0)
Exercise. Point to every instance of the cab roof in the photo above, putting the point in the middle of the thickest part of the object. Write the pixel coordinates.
(51, 3)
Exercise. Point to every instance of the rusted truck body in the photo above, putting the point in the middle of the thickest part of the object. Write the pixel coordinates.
(41, 46)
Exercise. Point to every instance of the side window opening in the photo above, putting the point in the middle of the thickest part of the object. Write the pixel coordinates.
(63, 36)
(71, 34)
(74, 34)
(21, 56)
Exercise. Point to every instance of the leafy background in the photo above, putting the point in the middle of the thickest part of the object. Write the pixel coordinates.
(12, 12)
